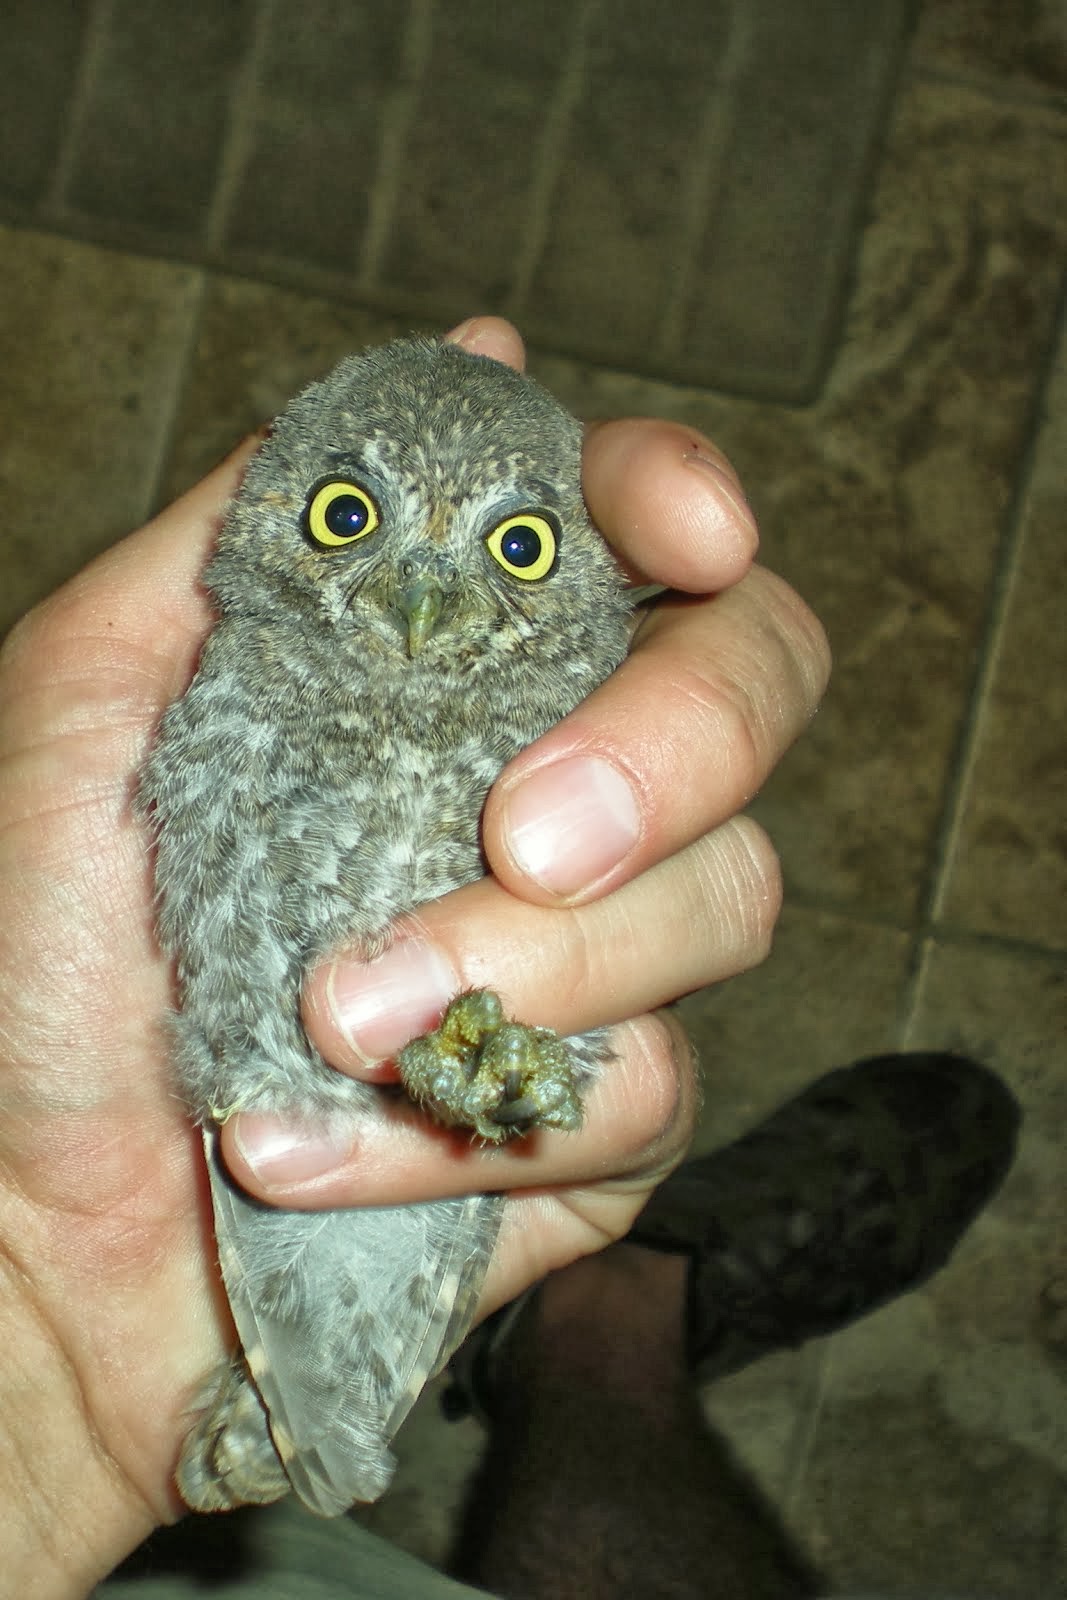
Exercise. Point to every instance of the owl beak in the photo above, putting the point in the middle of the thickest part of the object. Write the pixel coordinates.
(420, 604)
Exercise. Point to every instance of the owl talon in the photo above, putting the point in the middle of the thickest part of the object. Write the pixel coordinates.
(516, 1111)
(228, 1458)
(478, 1070)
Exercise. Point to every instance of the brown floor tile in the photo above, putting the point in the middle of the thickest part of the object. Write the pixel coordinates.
(1009, 1010)
(464, 210)
(1007, 872)
(884, 503)
(148, 142)
(1020, 42)
(765, 1412)
(828, 994)
(92, 346)
(40, 46)
(960, 1391)
(902, 1499)
(311, 133)
(256, 347)
(954, 1393)
(1006, 1007)
(893, 535)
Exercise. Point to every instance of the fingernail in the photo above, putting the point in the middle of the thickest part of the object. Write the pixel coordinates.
(726, 488)
(377, 1006)
(281, 1154)
(568, 824)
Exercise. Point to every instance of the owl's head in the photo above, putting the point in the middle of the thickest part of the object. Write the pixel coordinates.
(423, 504)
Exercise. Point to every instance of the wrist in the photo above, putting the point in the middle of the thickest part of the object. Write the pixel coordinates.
(70, 1514)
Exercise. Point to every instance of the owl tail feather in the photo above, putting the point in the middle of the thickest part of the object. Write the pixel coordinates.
(343, 1317)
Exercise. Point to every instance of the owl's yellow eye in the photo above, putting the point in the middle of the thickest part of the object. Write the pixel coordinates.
(524, 545)
(339, 513)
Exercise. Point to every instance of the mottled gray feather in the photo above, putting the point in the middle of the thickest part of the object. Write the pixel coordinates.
(316, 782)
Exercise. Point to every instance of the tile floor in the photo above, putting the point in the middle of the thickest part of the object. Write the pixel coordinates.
(861, 296)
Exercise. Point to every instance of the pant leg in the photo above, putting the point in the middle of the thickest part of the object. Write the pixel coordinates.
(278, 1552)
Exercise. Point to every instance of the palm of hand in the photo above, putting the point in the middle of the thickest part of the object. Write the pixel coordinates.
(102, 1219)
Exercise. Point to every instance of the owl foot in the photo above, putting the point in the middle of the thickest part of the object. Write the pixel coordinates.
(228, 1458)
(478, 1070)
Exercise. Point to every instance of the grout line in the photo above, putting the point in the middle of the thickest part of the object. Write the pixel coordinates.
(912, 990)
(993, 943)
(1021, 96)
(1051, 1546)
(961, 768)
(396, 123)
(921, 927)
(324, 283)
(183, 367)
(570, 85)
(802, 1438)
(238, 139)
(704, 183)
(94, 39)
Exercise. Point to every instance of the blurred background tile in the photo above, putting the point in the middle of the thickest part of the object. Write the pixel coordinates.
(479, 145)
(1007, 873)
(42, 43)
(306, 142)
(92, 348)
(718, 204)
(256, 346)
(829, 994)
(1022, 43)
(959, 1391)
(666, 198)
(153, 114)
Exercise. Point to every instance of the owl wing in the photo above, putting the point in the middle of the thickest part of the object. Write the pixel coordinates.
(344, 1316)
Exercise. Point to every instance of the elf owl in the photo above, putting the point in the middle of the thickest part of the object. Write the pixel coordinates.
(408, 591)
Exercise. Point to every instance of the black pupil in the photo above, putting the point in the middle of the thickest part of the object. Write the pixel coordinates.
(346, 516)
(521, 546)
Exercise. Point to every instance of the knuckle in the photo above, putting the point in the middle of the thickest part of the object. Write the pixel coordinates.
(666, 1087)
(759, 883)
(44, 637)
(577, 960)
(724, 708)
(739, 884)
(23, 640)
(802, 637)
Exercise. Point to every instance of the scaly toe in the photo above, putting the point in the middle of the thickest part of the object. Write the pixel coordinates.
(499, 1078)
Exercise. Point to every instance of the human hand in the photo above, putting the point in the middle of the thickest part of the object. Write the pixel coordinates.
(110, 1304)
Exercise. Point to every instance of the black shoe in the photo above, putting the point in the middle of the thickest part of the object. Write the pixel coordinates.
(850, 1194)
